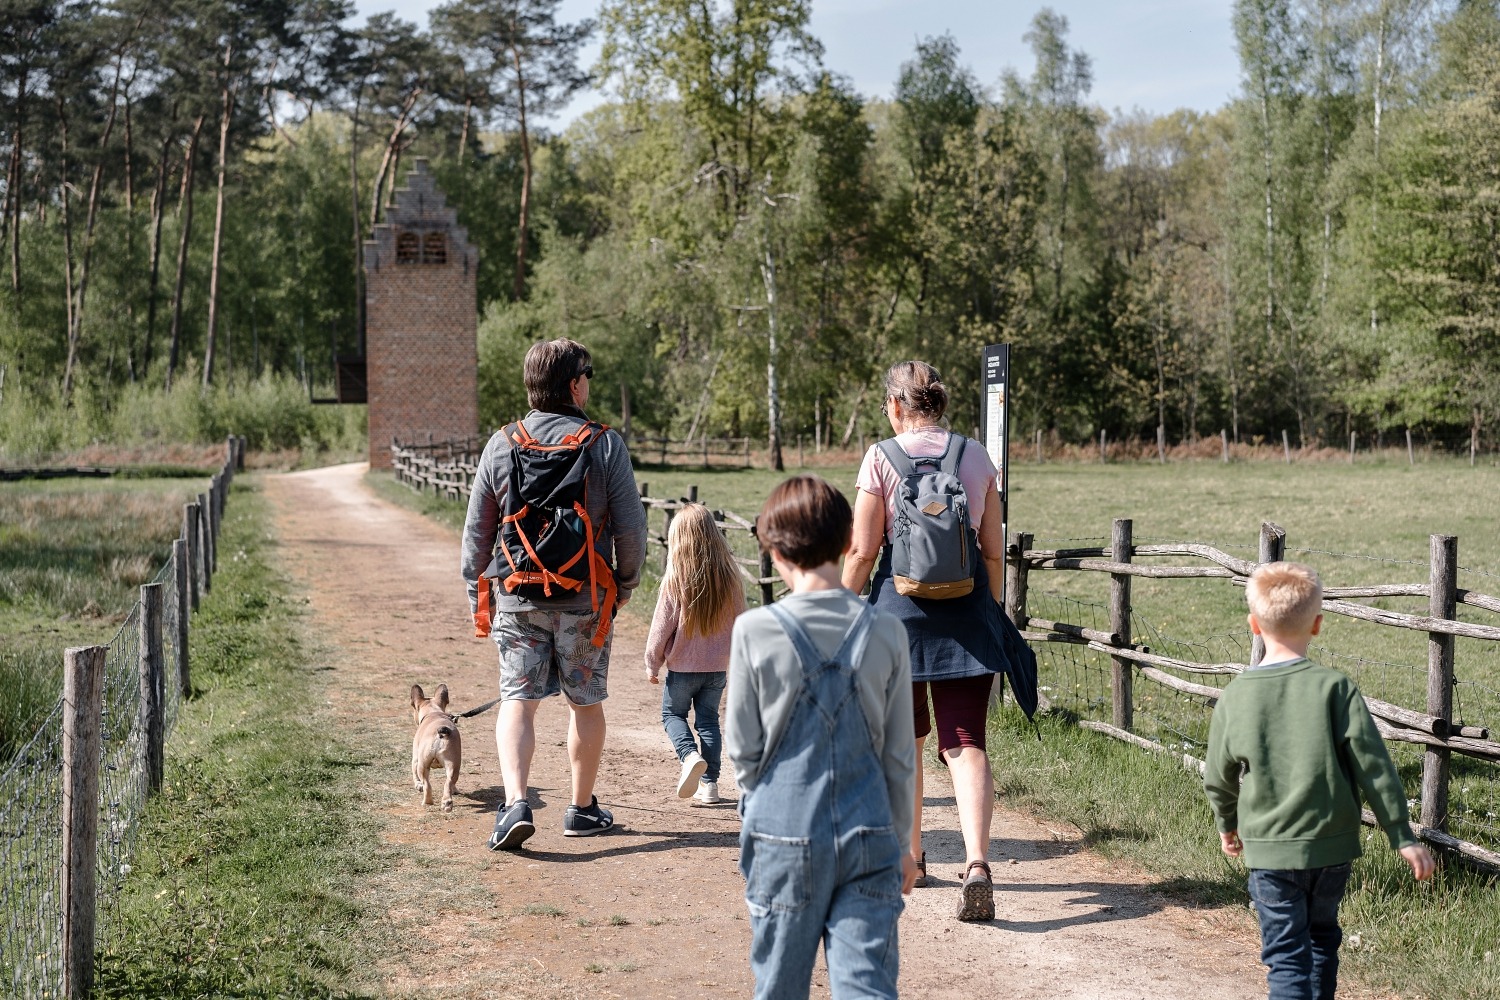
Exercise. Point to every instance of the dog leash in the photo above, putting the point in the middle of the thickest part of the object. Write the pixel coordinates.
(475, 711)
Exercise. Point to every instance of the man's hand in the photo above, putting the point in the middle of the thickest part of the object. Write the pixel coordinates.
(1420, 859)
(908, 873)
(1231, 843)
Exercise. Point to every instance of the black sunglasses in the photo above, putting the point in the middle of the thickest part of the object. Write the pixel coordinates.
(588, 372)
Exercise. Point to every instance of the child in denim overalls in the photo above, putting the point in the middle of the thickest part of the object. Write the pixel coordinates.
(819, 712)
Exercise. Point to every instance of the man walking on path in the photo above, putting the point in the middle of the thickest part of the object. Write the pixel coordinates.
(552, 619)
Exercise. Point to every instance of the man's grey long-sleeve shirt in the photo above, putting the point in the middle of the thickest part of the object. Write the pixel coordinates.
(621, 537)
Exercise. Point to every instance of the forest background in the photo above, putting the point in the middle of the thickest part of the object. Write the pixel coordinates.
(742, 240)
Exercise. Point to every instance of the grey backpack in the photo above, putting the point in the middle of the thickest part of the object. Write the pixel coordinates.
(932, 552)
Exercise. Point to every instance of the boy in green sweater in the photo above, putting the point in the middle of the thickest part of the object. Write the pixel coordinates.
(1305, 743)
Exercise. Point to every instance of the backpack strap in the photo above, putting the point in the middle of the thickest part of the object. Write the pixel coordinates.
(851, 648)
(483, 613)
(897, 456)
(953, 457)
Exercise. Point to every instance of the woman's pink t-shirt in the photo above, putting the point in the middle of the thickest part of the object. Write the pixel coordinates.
(975, 471)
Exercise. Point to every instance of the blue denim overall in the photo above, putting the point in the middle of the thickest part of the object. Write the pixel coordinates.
(817, 849)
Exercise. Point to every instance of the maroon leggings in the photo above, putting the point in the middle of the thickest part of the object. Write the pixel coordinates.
(961, 706)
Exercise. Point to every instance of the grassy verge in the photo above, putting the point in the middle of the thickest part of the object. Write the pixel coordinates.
(1439, 939)
(243, 880)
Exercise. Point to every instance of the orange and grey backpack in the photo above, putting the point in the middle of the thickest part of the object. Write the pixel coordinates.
(546, 544)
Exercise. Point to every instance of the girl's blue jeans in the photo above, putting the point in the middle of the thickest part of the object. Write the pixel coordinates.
(702, 693)
(1299, 929)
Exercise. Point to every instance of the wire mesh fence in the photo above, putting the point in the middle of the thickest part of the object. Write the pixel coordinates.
(122, 778)
(34, 957)
(31, 846)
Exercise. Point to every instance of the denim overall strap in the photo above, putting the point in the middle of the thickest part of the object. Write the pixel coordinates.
(850, 650)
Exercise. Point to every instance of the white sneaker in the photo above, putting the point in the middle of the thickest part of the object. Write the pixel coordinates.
(692, 770)
(707, 794)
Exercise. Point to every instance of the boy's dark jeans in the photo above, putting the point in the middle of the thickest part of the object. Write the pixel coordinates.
(1299, 929)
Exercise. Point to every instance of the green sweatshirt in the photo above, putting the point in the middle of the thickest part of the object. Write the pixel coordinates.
(1307, 747)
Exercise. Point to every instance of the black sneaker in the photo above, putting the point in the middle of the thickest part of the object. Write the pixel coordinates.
(513, 826)
(585, 821)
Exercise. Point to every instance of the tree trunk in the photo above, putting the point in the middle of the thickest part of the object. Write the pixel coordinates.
(213, 272)
(359, 243)
(522, 225)
(773, 387)
(13, 189)
(91, 218)
(129, 234)
(67, 221)
(853, 417)
(463, 134)
(185, 207)
(158, 210)
(391, 144)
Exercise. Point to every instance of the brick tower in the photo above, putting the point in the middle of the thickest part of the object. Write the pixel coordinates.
(421, 344)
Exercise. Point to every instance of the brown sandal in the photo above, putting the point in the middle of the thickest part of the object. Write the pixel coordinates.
(978, 893)
(921, 882)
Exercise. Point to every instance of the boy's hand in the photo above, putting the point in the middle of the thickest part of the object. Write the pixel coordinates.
(1420, 859)
(908, 873)
(1231, 843)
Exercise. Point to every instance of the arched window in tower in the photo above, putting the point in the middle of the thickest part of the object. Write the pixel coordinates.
(408, 248)
(435, 249)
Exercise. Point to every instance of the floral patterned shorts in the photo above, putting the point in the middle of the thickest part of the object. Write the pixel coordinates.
(543, 653)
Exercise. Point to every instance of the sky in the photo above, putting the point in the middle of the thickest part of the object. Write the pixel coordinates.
(1156, 55)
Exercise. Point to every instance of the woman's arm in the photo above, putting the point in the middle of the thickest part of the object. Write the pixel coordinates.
(992, 541)
(864, 547)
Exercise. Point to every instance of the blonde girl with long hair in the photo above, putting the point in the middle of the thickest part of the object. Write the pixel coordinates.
(700, 598)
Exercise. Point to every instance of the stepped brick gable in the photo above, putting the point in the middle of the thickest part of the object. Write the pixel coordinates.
(421, 343)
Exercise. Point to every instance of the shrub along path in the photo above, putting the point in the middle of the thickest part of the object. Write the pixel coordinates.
(655, 908)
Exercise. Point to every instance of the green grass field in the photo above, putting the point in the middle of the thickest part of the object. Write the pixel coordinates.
(1366, 523)
(73, 554)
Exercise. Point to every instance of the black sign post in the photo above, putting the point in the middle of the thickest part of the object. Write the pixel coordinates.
(995, 412)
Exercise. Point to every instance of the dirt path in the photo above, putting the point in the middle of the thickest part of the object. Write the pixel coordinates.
(654, 909)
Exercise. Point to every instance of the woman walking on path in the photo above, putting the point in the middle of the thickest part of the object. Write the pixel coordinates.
(700, 598)
(958, 643)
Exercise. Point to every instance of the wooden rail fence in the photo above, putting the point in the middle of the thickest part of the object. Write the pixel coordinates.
(1433, 727)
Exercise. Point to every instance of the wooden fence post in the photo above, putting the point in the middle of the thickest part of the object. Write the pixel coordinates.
(1103, 448)
(1411, 457)
(184, 607)
(150, 719)
(1038, 446)
(1122, 681)
(1443, 603)
(239, 454)
(1017, 569)
(1351, 447)
(1224, 443)
(205, 542)
(693, 494)
(83, 704)
(666, 529)
(1286, 446)
(1161, 444)
(767, 589)
(747, 452)
(1272, 549)
(193, 535)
